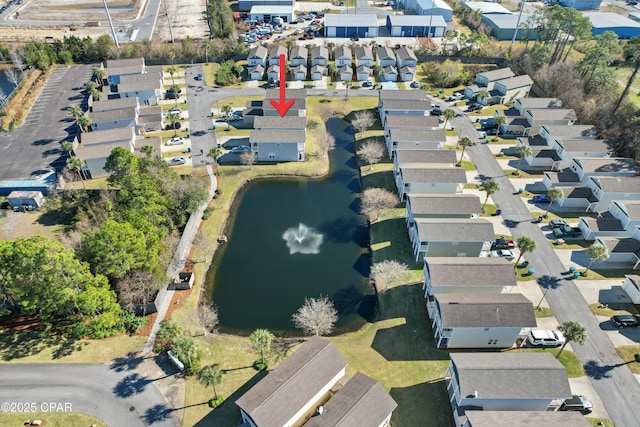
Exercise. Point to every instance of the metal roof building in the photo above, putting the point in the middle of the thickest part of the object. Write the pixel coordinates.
(624, 27)
(416, 25)
(503, 26)
(350, 25)
(487, 8)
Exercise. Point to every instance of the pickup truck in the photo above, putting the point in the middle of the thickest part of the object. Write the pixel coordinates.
(567, 231)
(502, 244)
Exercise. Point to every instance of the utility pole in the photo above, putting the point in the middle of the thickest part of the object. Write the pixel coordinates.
(433, 5)
(515, 32)
(166, 12)
(113, 31)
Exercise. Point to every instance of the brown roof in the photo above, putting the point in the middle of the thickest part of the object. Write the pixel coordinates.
(276, 398)
(480, 310)
(444, 203)
(468, 271)
(362, 401)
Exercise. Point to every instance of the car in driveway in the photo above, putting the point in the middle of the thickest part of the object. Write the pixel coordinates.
(625, 320)
(541, 198)
(502, 243)
(177, 161)
(436, 111)
(234, 117)
(475, 107)
(175, 110)
(240, 149)
(578, 403)
(558, 223)
(176, 141)
(544, 338)
(171, 95)
(415, 85)
(171, 126)
(503, 253)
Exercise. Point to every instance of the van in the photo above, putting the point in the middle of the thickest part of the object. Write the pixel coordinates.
(578, 403)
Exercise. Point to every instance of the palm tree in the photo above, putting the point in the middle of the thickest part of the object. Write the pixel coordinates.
(499, 121)
(464, 142)
(523, 151)
(448, 114)
(524, 244)
(554, 194)
(215, 153)
(91, 86)
(172, 70)
(211, 376)
(573, 332)
(227, 109)
(483, 94)
(76, 164)
(67, 147)
(173, 119)
(632, 53)
(147, 150)
(347, 84)
(490, 187)
(261, 339)
(596, 252)
(100, 74)
(75, 110)
(83, 123)
(96, 94)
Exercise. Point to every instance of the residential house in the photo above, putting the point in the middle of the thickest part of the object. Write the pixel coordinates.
(257, 56)
(486, 81)
(299, 108)
(508, 90)
(121, 67)
(291, 393)
(505, 382)
(275, 52)
(273, 72)
(299, 55)
(442, 206)
(362, 401)
(537, 117)
(257, 72)
(467, 275)
(450, 237)
(480, 320)
(364, 56)
(524, 419)
(580, 169)
(621, 250)
(621, 220)
(345, 73)
(299, 72)
(416, 123)
(524, 103)
(400, 95)
(363, 73)
(405, 57)
(278, 145)
(423, 159)
(150, 118)
(104, 120)
(114, 104)
(319, 56)
(123, 134)
(96, 146)
(280, 123)
(627, 212)
(435, 180)
(343, 56)
(599, 192)
(148, 92)
(568, 149)
(318, 72)
(631, 286)
(388, 74)
(155, 73)
(405, 139)
(542, 144)
(385, 56)
(407, 74)
(405, 107)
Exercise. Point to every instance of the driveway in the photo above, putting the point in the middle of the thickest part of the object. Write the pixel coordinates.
(114, 394)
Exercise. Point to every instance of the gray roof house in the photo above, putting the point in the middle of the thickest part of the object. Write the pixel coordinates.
(406, 74)
(400, 95)
(442, 206)
(388, 74)
(299, 108)
(120, 67)
(298, 72)
(363, 73)
(568, 149)
(403, 107)
(430, 181)
(345, 73)
(278, 145)
(256, 72)
(385, 56)
(522, 104)
(406, 58)
(505, 382)
(410, 122)
(299, 55)
(508, 90)
(362, 401)
(280, 123)
(105, 120)
(364, 56)
(291, 392)
(343, 56)
(486, 81)
(257, 56)
(536, 117)
(631, 286)
(599, 192)
(319, 56)
(114, 104)
(525, 418)
(95, 157)
(317, 72)
(275, 52)
(124, 134)
(466, 275)
(423, 159)
(478, 320)
(450, 237)
(580, 169)
(621, 220)
(623, 252)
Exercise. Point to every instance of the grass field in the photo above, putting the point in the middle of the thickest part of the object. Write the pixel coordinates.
(50, 419)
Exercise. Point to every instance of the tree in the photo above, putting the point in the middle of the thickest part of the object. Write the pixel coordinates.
(573, 332)
(317, 316)
(524, 244)
(325, 141)
(169, 330)
(13, 75)
(138, 287)
(227, 110)
(261, 339)
(499, 122)
(76, 164)
(173, 118)
(483, 95)
(211, 376)
(362, 121)
(75, 110)
(147, 150)
(464, 142)
(188, 352)
(208, 316)
(523, 151)
(387, 271)
(121, 162)
(95, 94)
(67, 147)
(448, 114)
(347, 84)
(99, 74)
(631, 54)
(172, 70)
(490, 187)
(554, 194)
(248, 159)
(215, 153)
(372, 151)
(83, 123)
(596, 252)
(375, 200)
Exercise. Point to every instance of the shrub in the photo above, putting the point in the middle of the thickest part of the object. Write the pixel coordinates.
(131, 322)
(207, 213)
(214, 403)
(260, 365)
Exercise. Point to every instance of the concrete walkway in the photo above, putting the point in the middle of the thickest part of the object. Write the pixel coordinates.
(610, 377)
(180, 257)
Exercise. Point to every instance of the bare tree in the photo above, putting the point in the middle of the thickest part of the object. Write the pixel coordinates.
(317, 316)
(326, 141)
(248, 159)
(325, 111)
(138, 287)
(376, 199)
(387, 271)
(372, 151)
(208, 316)
(362, 121)
(17, 60)
(13, 75)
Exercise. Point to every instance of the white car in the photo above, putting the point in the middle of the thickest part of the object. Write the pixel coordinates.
(545, 338)
(177, 161)
(503, 253)
(175, 141)
(415, 85)
(175, 110)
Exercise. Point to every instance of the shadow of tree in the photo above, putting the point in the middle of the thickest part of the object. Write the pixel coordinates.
(128, 362)
(550, 282)
(157, 413)
(595, 370)
(130, 385)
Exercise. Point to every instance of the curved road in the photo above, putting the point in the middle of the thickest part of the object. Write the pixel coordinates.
(116, 396)
(611, 378)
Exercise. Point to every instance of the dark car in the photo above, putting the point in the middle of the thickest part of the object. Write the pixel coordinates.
(557, 223)
(541, 198)
(625, 320)
(355, 38)
(502, 244)
(171, 95)
(436, 112)
(475, 107)
(176, 125)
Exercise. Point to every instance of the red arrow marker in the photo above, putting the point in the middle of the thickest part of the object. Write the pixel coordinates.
(283, 105)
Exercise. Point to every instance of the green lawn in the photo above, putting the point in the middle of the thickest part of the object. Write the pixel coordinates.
(50, 419)
(628, 354)
(568, 359)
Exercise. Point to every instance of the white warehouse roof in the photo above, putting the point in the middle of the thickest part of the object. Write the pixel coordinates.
(416, 21)
(335, 20)
(607, 19)
(271, 10)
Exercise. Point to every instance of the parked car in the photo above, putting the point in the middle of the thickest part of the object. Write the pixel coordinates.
(176, 110)
(503, 244)
(171, 95)
(625, 320)
(355, 38)
(175, 141)
(503, 253)
(171, 126)
(557, 223)
(234, 117)
(199, 76)
(415, 85)
(240, 149)
(544, 338)
(567, 231)
(436, 111)
(578, 403)
(475, 107)
(177, 161)
(541, 198)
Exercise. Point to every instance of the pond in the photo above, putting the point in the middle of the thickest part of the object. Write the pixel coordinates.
(295, 238)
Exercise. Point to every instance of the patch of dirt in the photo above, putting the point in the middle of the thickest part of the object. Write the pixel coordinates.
(187, 19)
(22, 225)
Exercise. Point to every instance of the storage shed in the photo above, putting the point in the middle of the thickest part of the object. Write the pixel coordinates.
(246, 5)
(503, 26)
(624, 27)
(27, 200)
(414, 26)
(350, 25)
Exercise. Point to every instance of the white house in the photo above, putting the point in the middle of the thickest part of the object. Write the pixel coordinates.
(387, 95)
(505, 382)
(319, 56)
(621, 250)
(388, 74)
(363, 73)
(486, 81)
(385, 56)
(345, 73)
(257, 56)
(257, 72)
(278, 145)
(406, 139)
(434, 180)
(318, 72)
(631, 286)
(450, 237)
(115, 104)
(105, 120)
(508, 90)
(148, 92)
(280, 123)
(274, 54)
(364, 56)
(405, 57)
(273, 72)
(299, 72)
(423, 159)
(480, 320)
(442, 206)
(599, 192)
(407, 74)
(568, 149)
(121, 67)
(299, 55)
(343, 56)
(408, 107)
(416, 123)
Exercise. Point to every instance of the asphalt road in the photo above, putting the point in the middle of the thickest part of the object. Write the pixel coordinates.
(613, 381)
(118, 397)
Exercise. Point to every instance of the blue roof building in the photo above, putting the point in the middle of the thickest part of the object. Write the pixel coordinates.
(582, 4)
(624, 27)
(415, 25)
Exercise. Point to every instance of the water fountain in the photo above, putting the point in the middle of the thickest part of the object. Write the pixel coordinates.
(302, 240)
